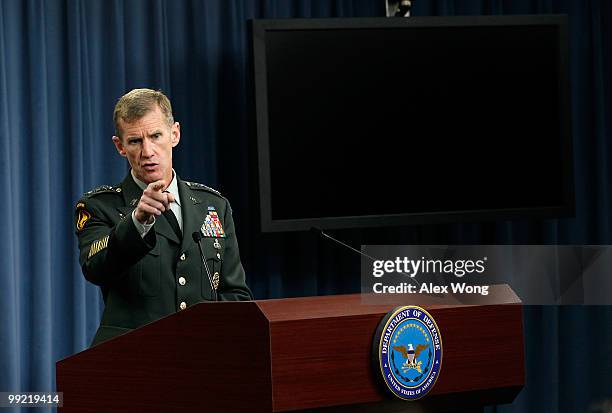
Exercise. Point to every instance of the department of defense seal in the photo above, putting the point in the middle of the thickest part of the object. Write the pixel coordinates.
(407, 352)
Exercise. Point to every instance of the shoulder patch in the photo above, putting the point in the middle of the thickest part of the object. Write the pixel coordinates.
(202, 187)
(103, 189)
(82, 216)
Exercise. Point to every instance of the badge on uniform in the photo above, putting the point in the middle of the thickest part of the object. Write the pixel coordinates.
(82, 216)
(97, 246)
(215, 281)
(212, 225)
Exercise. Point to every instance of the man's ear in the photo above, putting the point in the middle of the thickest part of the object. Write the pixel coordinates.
(176, 134)
(119, 145)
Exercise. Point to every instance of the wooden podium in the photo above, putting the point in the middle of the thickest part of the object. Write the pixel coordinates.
(297, 354)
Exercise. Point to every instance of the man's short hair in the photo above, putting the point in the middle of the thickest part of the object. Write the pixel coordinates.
(137, 103)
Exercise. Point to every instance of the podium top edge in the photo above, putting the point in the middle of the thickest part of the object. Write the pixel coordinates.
(286, 309)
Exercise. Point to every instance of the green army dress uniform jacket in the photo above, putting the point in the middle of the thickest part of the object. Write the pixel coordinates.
(144, 279)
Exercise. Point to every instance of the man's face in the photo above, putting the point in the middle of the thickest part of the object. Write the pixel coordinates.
(147, 144)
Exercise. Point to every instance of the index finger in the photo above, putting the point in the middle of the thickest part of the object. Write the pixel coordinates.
(158, 185)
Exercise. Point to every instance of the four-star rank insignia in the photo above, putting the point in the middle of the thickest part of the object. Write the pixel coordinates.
(212, 225)
(82, 216)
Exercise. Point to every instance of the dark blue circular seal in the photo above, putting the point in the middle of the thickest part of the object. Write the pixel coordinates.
(407, 352)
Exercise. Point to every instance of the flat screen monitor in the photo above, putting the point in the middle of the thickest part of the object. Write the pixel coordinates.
(399, 121)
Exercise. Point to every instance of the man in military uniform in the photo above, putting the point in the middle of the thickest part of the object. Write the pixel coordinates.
(135, 239)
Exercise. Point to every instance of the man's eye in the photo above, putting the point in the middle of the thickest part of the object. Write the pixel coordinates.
(134, 141)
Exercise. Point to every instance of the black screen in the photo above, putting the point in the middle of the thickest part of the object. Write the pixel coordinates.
(413, 120)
